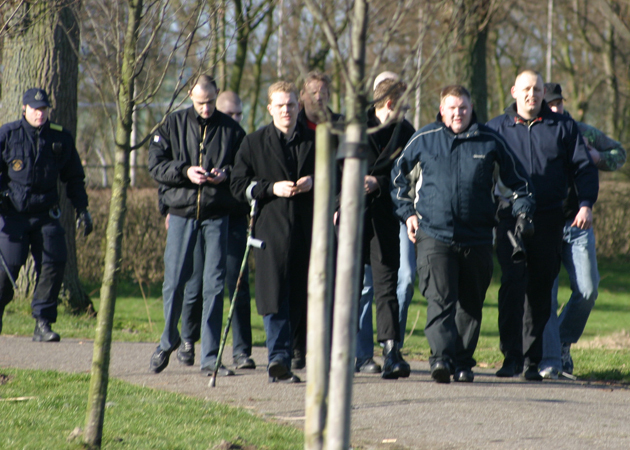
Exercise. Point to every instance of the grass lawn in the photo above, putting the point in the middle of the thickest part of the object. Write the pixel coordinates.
(602, 353)
(55, 402)
(40, 409)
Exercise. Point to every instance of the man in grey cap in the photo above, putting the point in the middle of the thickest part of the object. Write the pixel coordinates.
(35, 155)
(578, 254)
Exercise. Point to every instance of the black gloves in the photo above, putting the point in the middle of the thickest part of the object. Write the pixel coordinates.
(84, 219)
(524, 226)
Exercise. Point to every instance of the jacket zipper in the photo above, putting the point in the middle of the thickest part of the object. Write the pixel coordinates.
(203, 139)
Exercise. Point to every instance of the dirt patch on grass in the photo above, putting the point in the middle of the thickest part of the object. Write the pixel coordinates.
(616, 341)
(4, 379)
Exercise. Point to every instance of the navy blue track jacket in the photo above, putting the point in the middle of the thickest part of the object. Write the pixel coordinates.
(553, 153)
(448, 180)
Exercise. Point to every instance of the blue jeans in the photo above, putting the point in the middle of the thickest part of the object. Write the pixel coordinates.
(279, 335)
(180, 262)
(580, 260)
(192, 308)
(406, 278)
(365, 336)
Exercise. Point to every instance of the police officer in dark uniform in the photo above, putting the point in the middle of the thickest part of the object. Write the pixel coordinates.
(34, 155)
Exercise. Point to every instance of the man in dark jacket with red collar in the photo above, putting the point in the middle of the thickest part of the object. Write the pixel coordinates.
(191, 156)
(442, 189)
(314, 97)
(552, 150)
(275, 167)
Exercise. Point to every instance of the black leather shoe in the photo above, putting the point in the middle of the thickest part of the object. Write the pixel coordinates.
(464, 376)
(244, 361)
(509, 369)
(368, 366)
(277, 369)
(186, 353)
(299, 360)
(441, 372)
(289, 378)
(394, 365)
(531, 373)
(43, 333)
(159, 359)
(222, 372)
(280, 373)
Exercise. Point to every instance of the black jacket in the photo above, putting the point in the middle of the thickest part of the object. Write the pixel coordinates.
(552, 151)
(176, 147)
(284, 224)
(448, 180)
(33, 160)
(381, 226)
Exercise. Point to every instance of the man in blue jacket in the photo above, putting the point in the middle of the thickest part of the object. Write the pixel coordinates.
(552, 150)
(578, 253)
(442, 189)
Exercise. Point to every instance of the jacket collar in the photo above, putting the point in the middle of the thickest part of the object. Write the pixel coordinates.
(546, 115)
(30, 128)
(213, 119)
(471, 130)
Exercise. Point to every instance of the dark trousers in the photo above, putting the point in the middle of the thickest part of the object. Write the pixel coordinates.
(291, 317)
(454, 280)
(193, 298)
(46, 239)
(385, 260)
(525, 293)
(298, 292)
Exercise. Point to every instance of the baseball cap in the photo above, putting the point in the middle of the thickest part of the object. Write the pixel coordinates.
(35, 98)
(553, 91)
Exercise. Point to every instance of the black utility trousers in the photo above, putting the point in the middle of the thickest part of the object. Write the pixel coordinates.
(525, 293)
(454, 280)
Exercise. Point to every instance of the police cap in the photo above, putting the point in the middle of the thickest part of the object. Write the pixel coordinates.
(35, 98)
(553, 91)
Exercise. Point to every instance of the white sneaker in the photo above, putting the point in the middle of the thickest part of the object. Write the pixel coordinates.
(549, 373)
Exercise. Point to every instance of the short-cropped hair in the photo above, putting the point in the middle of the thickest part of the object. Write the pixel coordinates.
(454, 90)
(281, 86)
(204, 81)
(388, 89)
(317, 75)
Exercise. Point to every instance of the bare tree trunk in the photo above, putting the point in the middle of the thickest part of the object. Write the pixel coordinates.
(335, 100)
(133, 157)
(257, 71)
(103, 161)
(549, 57)
(498, 76)
(280, 35)
(474, 17)
(320, 286)
(221, 72)
(417, 120)
(38, 51)
(612, 84)
(479, 77)
(350, 241)
(242, 41)
(102, 342)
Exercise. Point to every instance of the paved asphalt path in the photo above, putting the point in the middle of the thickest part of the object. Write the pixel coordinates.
(413, 413)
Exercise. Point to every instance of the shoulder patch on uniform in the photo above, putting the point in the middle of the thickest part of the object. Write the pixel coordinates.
(156, 138)
(56, 127)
